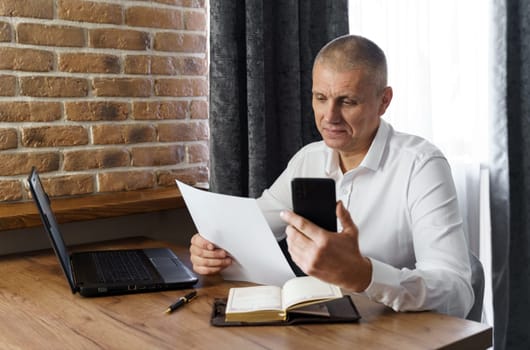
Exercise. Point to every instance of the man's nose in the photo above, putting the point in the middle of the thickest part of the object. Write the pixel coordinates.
(332, 113)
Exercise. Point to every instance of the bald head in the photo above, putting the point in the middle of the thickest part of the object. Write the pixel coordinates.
(355, 52)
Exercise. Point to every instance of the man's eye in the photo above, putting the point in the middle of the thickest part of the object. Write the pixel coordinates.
(349, 102)
(320, 98)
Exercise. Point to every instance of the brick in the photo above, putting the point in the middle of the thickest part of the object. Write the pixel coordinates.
(183, 3)
(181, 87)
(199, 109)
(8, 85)
(88, 11)
(25, 59)
(89, 63)
(190, 176)
(45, 111)
(39, 86)
(8, 138)
(126, 87)
(178, 65)
(23, 111)
(165, 65)
(96, 159)
(157, 156)
(54, 136)
(198, 153)
(179, 42)
(105, 134)
(69, 185)
(117, 122)
(139, 16)
(137, 64)
(20, 163)
(27, 8)
(95, 111)
(160, 110)
(5, 32)
(195, 20)
(175, 132)
(11, 190)
(50, 35)
(125, 181)
(119, 39)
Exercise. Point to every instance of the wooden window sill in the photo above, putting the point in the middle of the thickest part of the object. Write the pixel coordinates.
(96, 206)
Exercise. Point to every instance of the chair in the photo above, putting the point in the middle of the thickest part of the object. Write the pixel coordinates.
(477, 283)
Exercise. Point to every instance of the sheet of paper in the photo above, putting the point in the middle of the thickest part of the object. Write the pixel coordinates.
(237, 225)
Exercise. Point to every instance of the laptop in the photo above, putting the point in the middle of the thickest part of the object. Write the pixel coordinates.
(111, 272)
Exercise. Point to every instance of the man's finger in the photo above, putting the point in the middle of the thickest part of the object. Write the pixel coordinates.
(200, 261)
(199, 241)
(205, 253)
(296, 238)
(304, 226)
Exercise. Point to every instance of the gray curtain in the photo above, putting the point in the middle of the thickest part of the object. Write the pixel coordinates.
(510, 174)
(261, 55)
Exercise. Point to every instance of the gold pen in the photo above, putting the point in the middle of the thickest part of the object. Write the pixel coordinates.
(181, 301)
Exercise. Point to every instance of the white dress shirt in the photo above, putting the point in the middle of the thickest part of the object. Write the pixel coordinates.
(403, 200)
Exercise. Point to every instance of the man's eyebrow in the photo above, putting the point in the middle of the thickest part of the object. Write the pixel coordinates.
(350, 97)
(356, 96)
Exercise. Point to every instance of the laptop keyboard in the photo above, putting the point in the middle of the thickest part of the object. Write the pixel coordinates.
(120, 266)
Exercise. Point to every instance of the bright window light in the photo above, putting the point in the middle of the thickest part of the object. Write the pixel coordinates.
(437, 52)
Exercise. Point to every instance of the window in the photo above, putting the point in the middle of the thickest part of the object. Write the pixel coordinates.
(437, 52)
(438, 61)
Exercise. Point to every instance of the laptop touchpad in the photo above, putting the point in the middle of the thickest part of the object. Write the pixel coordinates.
(162, 262)
(169, 268)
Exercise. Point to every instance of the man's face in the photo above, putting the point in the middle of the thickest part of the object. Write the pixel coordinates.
(347, 107)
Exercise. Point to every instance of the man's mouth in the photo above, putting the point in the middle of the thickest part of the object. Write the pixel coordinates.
(334, 131)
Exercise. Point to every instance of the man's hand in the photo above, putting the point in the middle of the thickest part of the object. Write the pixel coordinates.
(331, 257)
(206, 258)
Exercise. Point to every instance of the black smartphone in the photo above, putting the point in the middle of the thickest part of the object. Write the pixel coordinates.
(315, 200)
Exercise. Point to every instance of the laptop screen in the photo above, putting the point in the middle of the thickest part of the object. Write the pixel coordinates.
(50, 224)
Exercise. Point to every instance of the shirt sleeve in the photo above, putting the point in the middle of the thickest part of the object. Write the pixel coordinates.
(278, 196)
(441, 279)
(275, 199)
(271, 207)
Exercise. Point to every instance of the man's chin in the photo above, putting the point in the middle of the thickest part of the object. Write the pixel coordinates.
(336, 144)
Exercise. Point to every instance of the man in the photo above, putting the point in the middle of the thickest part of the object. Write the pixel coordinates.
(401, 238)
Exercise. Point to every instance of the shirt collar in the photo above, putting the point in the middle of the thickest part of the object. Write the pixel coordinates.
(372, 159)
(332, 162)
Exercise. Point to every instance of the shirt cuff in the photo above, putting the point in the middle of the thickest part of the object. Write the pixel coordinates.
(384, 277)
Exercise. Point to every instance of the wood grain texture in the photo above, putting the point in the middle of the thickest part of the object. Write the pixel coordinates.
(22, 215)
(39, 311)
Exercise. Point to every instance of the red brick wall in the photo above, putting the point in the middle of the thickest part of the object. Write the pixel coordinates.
(102, 95)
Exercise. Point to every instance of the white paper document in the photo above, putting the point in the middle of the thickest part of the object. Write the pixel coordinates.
(237, 225)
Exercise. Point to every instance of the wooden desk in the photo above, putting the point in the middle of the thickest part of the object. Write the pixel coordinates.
(38, 311)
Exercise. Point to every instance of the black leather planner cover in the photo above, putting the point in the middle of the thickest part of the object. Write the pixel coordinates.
(340, 310)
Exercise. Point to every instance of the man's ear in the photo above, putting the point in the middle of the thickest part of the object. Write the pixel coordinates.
(385, 100)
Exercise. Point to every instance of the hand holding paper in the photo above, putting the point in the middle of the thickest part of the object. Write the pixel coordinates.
(238, 226)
